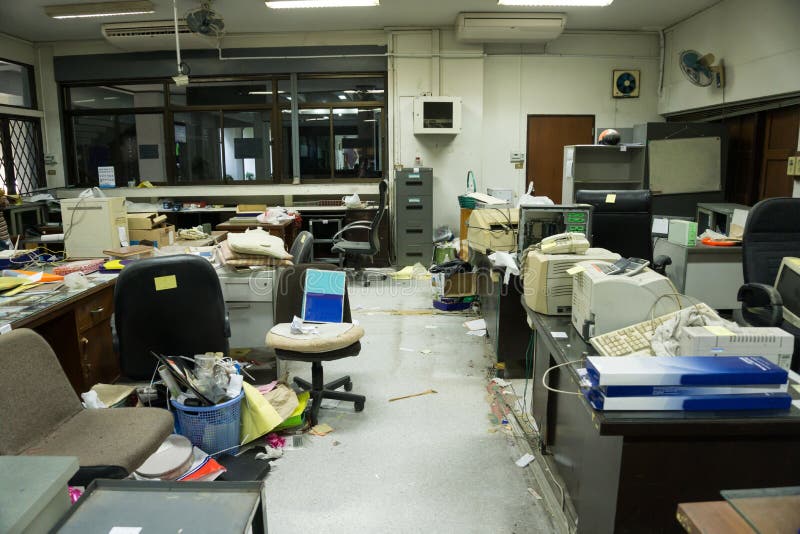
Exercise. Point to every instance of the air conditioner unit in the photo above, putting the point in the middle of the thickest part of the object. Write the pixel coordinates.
(153, 35)
(509, 27)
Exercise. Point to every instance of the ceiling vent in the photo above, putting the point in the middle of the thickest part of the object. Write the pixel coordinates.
(509, 27)
(153, 35)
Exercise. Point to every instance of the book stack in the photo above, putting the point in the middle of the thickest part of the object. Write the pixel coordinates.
(689, 383)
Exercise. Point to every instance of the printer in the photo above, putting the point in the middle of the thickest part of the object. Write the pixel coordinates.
(546, 284)
(772, 343)
(603, 302)
(493, 229)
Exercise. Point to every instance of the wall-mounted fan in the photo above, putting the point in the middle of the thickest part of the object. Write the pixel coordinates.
(625, 83)
(700, 69)
(205, 21)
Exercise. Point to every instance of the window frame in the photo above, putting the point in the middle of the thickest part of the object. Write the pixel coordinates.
(37, 127)
(31, 83)
(275, 108)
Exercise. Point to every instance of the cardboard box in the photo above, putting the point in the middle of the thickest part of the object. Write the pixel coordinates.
(682, 232)
(161, 237)
(457, 285)
(145, 221)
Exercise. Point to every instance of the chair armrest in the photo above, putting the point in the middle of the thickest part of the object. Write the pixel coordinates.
(762, 305)
(355, 225)
(660, 264)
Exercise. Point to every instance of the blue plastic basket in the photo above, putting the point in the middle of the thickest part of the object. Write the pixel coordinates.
(211, 428)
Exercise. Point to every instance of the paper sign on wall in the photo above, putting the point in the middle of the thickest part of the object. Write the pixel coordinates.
(105, 177)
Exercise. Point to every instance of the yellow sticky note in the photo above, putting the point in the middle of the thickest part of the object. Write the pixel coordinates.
(165, 282)
(611, 198)
(575, 270)
(719, 330)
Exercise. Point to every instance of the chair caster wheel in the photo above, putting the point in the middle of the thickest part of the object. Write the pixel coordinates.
(359, 406)
(348, 386)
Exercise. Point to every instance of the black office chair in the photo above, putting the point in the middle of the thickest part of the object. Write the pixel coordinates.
(170, 305)
(772, 232)
(624, 225)
(302, 250)
(359, 250)
(316, 349)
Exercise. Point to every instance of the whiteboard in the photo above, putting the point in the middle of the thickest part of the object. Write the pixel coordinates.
(687, 165)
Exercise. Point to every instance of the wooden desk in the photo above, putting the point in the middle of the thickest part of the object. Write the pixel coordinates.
(286, 230)
(627, 471)
(77, 326)
(715, 517)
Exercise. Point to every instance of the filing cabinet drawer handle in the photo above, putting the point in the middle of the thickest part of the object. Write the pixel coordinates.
(413, 253)
(417, 207)
(414, 230)
(97, 311)
(239, 306)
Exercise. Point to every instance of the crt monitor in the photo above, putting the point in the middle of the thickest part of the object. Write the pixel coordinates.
(787, 282)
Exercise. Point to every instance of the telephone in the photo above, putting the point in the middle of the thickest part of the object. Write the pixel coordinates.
(567, 243)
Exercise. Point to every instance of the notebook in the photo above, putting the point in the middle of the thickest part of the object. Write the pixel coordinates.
(323, 297)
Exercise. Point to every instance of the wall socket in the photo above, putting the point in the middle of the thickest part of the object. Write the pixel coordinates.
(792, 166)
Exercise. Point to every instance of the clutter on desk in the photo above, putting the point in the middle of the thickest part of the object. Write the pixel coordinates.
(235, 259)
(411, 272)
(493, 229)
(132, 252)
(275, 215)
(258, 242)
(83, 266)
(191, 234)
(690, 383)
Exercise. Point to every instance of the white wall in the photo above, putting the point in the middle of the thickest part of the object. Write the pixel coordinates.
(758, 42)
(499, 90)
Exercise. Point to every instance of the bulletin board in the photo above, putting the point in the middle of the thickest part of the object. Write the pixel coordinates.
(690, 165)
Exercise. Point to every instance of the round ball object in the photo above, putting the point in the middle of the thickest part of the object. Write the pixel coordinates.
(608, 137)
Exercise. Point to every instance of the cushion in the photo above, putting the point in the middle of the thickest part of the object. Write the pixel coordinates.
(121, 437)
(236, 259)
(331, 337)
(258, 242)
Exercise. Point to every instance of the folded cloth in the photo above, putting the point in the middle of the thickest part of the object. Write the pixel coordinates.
(258, 242)
(234, 259)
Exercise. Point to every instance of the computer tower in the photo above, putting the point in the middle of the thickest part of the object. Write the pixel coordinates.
(92, 225)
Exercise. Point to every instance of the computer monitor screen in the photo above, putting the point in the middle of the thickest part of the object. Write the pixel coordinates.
(788, 285)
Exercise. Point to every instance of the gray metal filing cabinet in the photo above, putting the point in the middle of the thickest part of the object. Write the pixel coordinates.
(413, 204)
(248, 296)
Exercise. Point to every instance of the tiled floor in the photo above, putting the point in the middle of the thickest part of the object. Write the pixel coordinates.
(425, 464)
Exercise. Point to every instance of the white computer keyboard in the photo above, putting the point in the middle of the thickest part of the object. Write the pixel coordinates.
(635, 339)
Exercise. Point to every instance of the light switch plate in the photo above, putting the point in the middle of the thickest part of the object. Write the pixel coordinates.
(517, 157)
(791, 166)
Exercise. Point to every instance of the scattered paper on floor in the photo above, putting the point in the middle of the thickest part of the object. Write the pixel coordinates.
(479, 333)
(322, 429)
(476, 324)
(525, 459)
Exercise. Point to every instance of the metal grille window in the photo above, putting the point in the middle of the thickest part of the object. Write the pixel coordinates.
(21, 159)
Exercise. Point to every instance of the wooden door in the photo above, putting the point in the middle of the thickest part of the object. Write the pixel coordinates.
(547, 137)
(780, 142)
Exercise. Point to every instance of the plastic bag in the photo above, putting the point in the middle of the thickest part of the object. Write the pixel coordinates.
(504, 259)
(258, 415)
(529, 200)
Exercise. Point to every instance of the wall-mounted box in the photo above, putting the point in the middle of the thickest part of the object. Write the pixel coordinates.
(437, 115)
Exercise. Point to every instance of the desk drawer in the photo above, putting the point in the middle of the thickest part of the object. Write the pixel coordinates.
(253, 287)
(95, 309)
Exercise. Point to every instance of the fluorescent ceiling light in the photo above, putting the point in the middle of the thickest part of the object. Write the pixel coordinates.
(291, 4)
(555, 3)
(100, 9)
(342, 97)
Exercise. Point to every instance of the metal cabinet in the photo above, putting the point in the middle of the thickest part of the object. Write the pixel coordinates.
(248, 297)
(413, 206)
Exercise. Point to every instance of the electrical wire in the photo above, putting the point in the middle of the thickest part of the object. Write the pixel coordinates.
(544, 379)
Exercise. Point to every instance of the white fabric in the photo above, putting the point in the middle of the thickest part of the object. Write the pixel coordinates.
(258, 242)
(323, 330)
(665, 337)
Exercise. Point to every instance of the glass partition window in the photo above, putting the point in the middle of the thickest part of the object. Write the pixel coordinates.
(247, 139)
(130, 143)
(358, 142)
(251, 93)
(16, 85)
(117, 96)
(198, 146)
(315, 142)
(338, 90)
